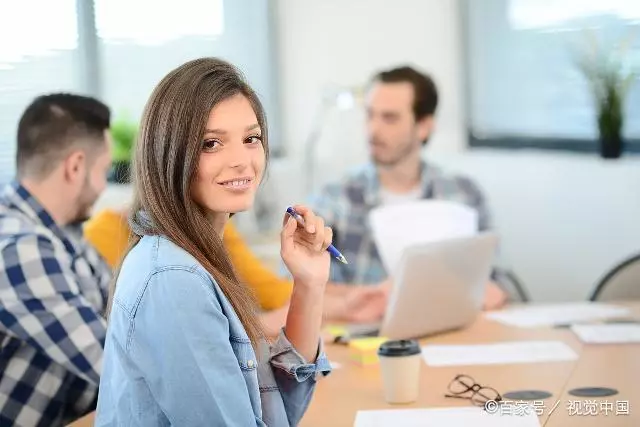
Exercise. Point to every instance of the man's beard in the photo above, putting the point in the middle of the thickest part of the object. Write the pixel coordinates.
(84, 203)
(397, 156)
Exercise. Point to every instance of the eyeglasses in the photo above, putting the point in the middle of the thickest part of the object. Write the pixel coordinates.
(465, 387)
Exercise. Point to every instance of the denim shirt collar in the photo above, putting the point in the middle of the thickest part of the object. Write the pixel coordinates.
(141, 224)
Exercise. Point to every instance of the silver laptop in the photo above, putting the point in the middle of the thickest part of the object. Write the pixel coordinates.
(440, 287)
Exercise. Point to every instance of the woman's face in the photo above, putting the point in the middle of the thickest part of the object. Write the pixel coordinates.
(232, 159)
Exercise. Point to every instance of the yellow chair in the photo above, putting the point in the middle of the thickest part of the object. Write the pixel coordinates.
(108, 232)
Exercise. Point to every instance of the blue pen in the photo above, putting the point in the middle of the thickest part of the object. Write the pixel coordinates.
(332, 250)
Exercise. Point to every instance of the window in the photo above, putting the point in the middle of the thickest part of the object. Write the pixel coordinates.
(118, 50)
(523, 84)
(138, 48)
(33, 62)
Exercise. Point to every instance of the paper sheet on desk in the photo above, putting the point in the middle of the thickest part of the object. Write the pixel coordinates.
(397, 227)
(608, 333)
(500, 353)
(473, 417)
(554, 314)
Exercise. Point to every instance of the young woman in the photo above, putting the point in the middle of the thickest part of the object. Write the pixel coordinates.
(184, 344)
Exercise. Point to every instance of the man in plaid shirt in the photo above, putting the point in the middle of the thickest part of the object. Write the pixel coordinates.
(53, 285)
(401, 104)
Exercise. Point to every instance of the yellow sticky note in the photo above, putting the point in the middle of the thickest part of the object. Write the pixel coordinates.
(336, 331)
(365, 350)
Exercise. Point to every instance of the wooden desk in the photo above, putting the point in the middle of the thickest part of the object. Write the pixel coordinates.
(614, 366)
(350, 388)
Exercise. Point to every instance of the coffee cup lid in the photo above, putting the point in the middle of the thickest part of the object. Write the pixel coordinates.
(399, 348)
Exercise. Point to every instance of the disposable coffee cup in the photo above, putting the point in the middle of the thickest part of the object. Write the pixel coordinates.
(400, 367)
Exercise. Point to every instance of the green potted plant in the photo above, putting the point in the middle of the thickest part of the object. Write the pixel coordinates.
(609, 80)
(123, 132)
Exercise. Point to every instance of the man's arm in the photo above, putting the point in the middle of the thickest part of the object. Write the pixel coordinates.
(42, 306)
(340, 289)
(355, 303)
(335, 301)
(494, 296)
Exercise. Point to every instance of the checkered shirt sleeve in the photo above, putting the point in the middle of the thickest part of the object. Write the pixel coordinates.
(43, 307)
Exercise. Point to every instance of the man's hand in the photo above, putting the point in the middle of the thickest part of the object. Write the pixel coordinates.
(494, 297)
(357, 303)
(365, 304)
(386, 286)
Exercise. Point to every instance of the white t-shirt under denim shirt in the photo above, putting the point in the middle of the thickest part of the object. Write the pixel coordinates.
(177, 354)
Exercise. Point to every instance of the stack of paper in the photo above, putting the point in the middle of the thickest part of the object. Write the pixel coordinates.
(464, 417)
(397, 227)
(621, 333)
(502, 353)
(555, 314)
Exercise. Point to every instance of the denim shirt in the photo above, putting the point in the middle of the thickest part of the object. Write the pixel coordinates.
(176, 353)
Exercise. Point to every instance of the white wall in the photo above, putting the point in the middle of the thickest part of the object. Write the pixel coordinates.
(132, 69)
(564, 219)
(338, 42)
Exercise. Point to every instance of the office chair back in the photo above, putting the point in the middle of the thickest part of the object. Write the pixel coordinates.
(510, 283)
(621, 283)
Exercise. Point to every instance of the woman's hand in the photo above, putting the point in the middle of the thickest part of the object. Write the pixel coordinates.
(304, 252)
(304, 249)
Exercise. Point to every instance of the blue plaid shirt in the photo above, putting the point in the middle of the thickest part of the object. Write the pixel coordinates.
(52, 293)
(345, 207)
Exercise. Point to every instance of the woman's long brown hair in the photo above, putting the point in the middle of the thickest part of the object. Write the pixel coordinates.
(164, 166)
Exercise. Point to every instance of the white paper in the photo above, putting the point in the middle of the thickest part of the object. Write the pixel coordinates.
(464, 417)
(397, 227)
(554, 314)
(501, 353)
(608, 333)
